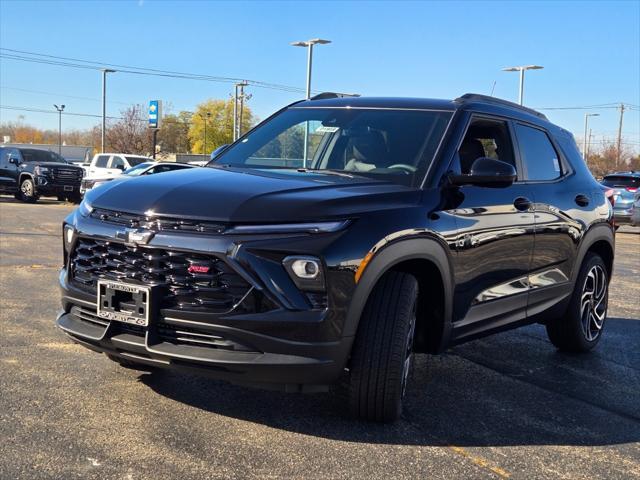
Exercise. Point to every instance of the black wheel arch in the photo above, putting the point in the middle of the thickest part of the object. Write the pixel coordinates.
(406, 255)
(599, 239)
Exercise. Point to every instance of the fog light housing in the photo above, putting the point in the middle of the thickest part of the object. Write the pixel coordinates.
(68, 236)
(306, 272)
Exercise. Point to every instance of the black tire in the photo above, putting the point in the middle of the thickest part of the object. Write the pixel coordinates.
(62, 198)
(28, 191)
(580, 329)
(382, 353)
(76, 198)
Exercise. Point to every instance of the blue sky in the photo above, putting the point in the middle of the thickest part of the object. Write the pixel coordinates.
(590, 51)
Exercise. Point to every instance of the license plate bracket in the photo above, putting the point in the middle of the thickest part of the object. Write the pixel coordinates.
(68, 188)
(124, 302)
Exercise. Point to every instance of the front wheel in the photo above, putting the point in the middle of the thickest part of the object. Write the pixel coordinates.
(28, 191)
(580, 329)
(382, 353)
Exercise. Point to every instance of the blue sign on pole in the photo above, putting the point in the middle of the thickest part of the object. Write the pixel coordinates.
(155, 113)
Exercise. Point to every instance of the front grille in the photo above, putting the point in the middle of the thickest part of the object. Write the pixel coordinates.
(64, 174)
(210, 285)
(156, 223)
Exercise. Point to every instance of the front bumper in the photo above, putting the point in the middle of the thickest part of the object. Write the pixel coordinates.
(261, 350)
(45, 186)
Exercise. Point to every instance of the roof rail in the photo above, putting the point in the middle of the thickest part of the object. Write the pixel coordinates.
(476, 97)
(324, 95)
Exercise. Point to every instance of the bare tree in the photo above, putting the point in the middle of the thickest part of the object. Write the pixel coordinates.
(129, 134)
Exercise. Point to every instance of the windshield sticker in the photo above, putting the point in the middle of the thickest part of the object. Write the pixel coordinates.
(324, 129)
(556, 164)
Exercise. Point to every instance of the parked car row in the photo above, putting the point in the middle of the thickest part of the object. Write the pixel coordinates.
(625, 190)
(30, 173)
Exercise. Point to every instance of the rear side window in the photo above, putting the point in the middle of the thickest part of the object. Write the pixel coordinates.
(621, 181)
(117, 162)
(133, 161)
(102, 161)
(540, 159)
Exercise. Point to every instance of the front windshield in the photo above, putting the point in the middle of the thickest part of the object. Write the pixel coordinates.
(387, 144)
(34, 155)
(138, 169)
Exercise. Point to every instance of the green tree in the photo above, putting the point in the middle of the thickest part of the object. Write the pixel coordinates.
(219, 124)
(173, 136)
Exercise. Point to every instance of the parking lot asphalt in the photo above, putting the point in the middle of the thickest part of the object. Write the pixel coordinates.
(507, 406)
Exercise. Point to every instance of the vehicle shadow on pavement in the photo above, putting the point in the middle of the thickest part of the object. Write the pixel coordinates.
(508, 389)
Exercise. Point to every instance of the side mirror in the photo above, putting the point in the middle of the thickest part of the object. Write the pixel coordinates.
(120, 167)
(218, 150)
(14, 160)
(487, 172)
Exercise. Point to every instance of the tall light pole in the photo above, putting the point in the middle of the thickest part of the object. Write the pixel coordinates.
(60, 109)
(522, 69)
(309, 45)
(104, 105)
(205, 116)
(585, 144)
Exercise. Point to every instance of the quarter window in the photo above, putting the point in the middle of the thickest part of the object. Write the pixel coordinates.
(117, 162)
(538, 155)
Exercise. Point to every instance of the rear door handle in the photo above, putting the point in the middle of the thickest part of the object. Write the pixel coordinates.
(521, 203)
(582, 200)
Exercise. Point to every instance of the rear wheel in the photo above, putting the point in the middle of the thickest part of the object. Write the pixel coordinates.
(580, 329)
(382, 354)
(28, 191)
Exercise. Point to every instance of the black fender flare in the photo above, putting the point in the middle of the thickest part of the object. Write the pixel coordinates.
(26, 174)
(423, 248)
(598, 232)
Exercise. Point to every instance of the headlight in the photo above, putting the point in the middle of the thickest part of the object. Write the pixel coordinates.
(318, 227)
(38, 170)
(306, 272)
(85, 208)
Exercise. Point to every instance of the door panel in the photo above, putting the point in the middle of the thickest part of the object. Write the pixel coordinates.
(495, 243)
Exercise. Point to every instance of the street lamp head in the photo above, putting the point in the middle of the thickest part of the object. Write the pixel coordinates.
(62, 106)
(522, 67)
(313, 41)
(108, 70)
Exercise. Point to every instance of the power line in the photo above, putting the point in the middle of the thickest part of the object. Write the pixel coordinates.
(34, 57)
(40, 92)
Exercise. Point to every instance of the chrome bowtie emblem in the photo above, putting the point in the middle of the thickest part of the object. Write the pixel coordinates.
(135, 235)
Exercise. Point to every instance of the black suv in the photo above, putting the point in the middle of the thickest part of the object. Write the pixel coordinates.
(338, 238)
(29, 173)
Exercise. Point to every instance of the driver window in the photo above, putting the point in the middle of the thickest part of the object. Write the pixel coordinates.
(485, 138)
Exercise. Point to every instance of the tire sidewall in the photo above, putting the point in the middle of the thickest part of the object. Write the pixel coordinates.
(574, 313)
(28, 198)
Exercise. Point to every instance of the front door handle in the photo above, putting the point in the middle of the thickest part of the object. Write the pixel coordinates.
(522, 204)
(582, 200)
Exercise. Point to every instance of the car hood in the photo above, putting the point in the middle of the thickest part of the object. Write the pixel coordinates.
(250, 195)
(51, 164)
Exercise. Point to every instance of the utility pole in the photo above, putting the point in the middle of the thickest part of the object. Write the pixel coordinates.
(104, 105)
(237, 125)
(585, 143)
(60, 110)
(618, 152)
(586, 156)
(242, 98)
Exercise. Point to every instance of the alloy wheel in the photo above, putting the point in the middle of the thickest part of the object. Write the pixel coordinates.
(27, 188)
(408, 357)
(593, 302)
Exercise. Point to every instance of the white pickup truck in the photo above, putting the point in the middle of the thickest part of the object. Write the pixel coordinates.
(105, 165)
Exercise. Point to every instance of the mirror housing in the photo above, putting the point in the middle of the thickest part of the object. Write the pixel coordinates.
(14, 161)
(486, 172)
(121, 168)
